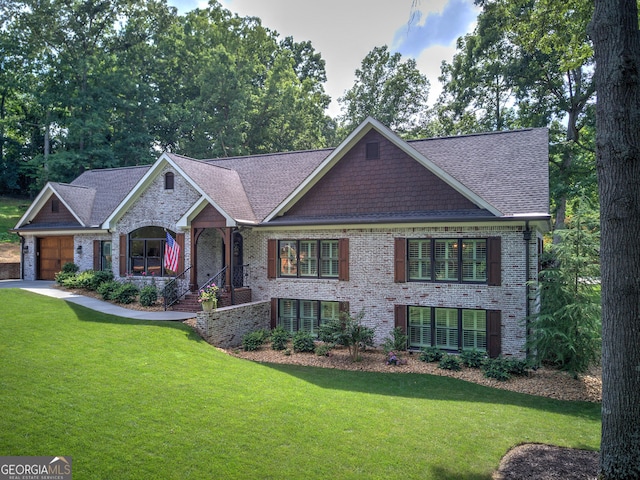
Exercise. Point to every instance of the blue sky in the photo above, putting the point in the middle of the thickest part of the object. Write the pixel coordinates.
(344, 31)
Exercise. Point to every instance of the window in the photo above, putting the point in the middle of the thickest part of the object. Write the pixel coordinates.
(306, 315)
(447, 328)
(105, 255)
(372, 151)
(446, 260)
(168, 180)
(146, 251)
(55, 205)
(308, 258)
(419, 252)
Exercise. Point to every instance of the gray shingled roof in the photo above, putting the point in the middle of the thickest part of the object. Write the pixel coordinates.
(269, 179)
(111, 186)
(508, 169)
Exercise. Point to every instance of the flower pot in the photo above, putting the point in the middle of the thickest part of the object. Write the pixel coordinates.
(208, 305)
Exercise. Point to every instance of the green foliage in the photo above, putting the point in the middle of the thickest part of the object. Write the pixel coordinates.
(62, 277)
(100, 277)
(279, 338)
(503, 368)
(107, 289)
(303, 341)
(388, 89)
(397, 342)
(148, 295)
(11, 209)
(450, 362)
(472, 358)
(125, 293)
(567, 331)
(348, 331)
(70, 267)
(430, 354)
(323, 349)
(254, 340)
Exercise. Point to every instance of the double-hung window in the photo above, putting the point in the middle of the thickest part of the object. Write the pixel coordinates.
(444, 260)
(306, 315)
(447, 328)
(308, 258)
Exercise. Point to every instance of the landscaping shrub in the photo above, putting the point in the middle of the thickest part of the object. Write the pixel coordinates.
(148, 295)
(323, 349)
(106, 289)
(99, 278)
(450, 362)
(62, 277)
(473, 358)
(349, 332)
(254, 340)
(84, 279)
(125, 293)
(70, 267)
(303, 341)
(496, 368)
(279, 338)
(397, 342)
(430, 354)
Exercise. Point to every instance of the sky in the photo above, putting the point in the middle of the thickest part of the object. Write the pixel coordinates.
(345, 31)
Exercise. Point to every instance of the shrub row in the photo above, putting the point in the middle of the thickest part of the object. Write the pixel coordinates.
(498, 368)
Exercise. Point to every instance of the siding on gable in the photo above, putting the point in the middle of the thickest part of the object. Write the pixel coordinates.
(393, 183)
(47, 217)
(371, 274)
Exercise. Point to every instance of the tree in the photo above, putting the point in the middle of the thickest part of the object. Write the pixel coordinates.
(527, 64)
(616, 39)
(567, 330)
(388, 89)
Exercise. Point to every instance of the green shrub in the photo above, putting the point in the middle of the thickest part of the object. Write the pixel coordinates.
(252, 341)
(496, 368)
(99, 278)
(125, 293)
(450, 362)
(106, 289)
(517, 367)
(62, 277)
(279, 338)
(70, 267)
(85, 279)
(323, 349)
(148, 295)
(349, 332)
(397, 342)
(473, 358)
(430, 354)
(303, 341)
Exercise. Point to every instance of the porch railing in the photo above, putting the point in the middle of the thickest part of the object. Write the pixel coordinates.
(173, 292)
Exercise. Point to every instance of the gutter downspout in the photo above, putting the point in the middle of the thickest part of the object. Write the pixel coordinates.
(526, 235)
(21, 257)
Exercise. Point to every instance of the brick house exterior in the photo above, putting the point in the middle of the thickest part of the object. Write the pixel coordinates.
(439, 237)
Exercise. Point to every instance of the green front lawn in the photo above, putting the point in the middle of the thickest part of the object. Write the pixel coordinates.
(141, 400)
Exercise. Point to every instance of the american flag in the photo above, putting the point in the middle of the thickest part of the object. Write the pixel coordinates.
(171, 254)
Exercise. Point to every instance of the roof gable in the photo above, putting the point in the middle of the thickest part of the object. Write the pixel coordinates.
(393, 183)
(42, 212)
(392, 139)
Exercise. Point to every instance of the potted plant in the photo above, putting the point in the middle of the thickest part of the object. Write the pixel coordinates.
(208, 297)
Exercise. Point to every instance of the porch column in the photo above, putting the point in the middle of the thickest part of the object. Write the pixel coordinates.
(228, 256)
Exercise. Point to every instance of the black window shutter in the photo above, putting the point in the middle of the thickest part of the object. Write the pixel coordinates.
(274, 313)
(494, 261)
(494, 333)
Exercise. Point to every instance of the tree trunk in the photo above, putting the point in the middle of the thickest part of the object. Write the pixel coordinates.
(614, 30)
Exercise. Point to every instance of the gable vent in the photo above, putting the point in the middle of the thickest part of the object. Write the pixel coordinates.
(373, 151)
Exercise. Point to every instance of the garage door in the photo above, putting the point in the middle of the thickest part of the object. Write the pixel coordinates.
(54, 252)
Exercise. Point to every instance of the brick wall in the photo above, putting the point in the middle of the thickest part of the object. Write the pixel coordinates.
(225, 327)
(371, 281)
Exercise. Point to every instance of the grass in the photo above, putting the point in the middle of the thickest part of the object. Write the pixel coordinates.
(137, 400)
(11, 209)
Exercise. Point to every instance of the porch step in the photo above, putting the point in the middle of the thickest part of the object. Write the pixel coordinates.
(189, 303)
